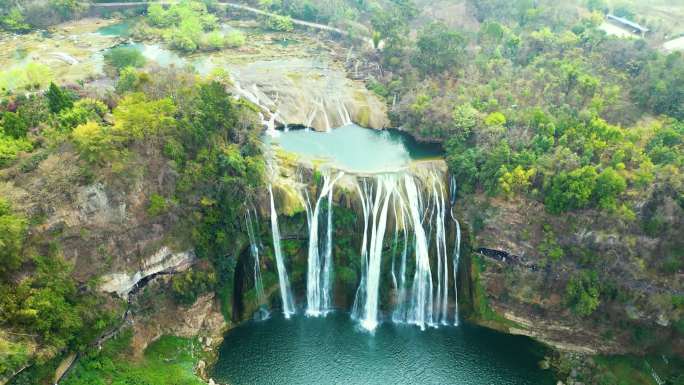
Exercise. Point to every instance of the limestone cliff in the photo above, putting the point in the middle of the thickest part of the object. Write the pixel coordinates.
(523, 259)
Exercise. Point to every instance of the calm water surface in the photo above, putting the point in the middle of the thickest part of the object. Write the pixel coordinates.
(322, 351)
(117, 29)
(355, 148)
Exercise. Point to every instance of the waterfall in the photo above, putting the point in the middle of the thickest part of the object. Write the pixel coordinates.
(455, 259)
(421, 311)
(399, 313)
(417, 301)
(345, 118)
(327, 259)
(452, 190)
(254, 251)
(385, 185)
(253, 97)
(328, 128)
(395, 244)
(271, 124)
(440, 246)
(320, 107)
(456, 255)
(419, 210)
(310, 118)
(360, 297)
(283, 280)
(319, 274)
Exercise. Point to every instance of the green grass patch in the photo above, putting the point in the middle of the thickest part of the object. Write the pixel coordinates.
(169, 360)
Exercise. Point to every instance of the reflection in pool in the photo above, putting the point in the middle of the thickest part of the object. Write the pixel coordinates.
(354, 148)
(316, 351)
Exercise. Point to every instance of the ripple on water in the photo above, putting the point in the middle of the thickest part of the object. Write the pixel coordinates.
(308, 351)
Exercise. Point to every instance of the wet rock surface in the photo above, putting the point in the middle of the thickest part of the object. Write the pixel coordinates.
(313, 93)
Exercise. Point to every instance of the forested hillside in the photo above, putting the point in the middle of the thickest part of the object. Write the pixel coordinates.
(565, 144)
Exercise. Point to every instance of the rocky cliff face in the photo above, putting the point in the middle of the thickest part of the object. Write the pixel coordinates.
(101, 227)
(523, 259)
(314, 93)
(163, 261)
(155, 314)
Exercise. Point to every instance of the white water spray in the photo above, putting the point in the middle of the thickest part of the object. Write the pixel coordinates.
(318, 284)
(421, 311)
(440, 246)
(254, 251)
(457, 245)
(283, 280)
(371, 286)
(455, 259)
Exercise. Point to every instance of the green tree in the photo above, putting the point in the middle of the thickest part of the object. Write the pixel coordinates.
(464, 164)
(84, 110)
(157, 206)
(12, 234)
(280, 23)
(624, 10)
(572, 190)
(10, 148)
(234, 39)
(14, 21)
(137, 118)
(92, 141)
(122, 57)
(214, 40)
(14, 125)
(495, 119)
(129, 80)
(215, 113)
(609, 186)
(66, 8)
(158, 16)
(439, 49)
(391, 26)
(515, 181)
(58, 99)
(582, 293)
(186, 287)
(597, 5)
(465, 119)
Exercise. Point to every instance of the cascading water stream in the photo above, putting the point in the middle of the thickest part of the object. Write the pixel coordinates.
(319, 273)
(419, 304)
(399, 313)
(371, 286)
(254, 251)
(457, 245)
(421, 311)
(327, 258)
(360, 297)
(285, 290)
(342, 111)
(440, 246)
(419, 276)
(456, 257)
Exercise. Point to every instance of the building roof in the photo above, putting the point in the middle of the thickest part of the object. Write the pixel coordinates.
(629, 23)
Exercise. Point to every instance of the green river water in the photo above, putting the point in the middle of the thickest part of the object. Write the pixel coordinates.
(332, 350)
